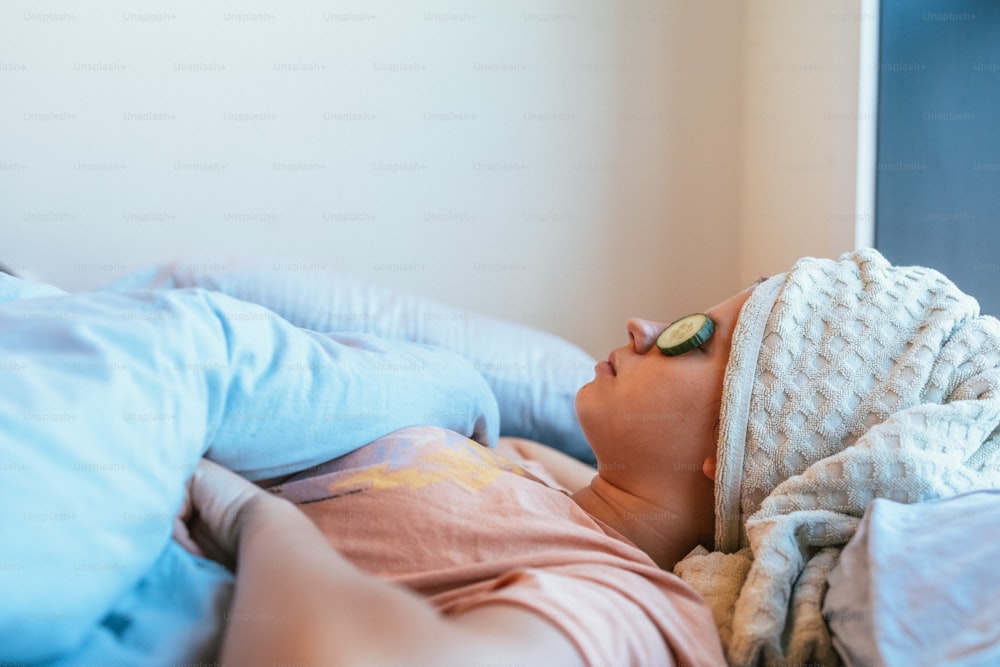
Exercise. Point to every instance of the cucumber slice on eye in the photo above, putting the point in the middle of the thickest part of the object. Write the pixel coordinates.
(685, 334)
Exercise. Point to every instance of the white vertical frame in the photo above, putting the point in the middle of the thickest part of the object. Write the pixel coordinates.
(867, 171)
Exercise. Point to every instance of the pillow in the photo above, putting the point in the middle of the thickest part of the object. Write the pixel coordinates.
(533, 374)
(919, 585)
(13, 288)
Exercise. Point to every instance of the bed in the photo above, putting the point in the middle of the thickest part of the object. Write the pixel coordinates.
(90, 579)
(108, 399)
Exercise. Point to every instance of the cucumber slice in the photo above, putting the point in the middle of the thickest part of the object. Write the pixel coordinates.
(685, 334)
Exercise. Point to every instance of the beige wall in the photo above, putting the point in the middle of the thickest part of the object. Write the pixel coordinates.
(800, 123)
(564, 164)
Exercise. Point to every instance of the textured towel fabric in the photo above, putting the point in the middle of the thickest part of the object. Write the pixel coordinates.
(849, 380)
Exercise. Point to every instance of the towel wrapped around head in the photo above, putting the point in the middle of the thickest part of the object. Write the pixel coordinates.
(848, 381)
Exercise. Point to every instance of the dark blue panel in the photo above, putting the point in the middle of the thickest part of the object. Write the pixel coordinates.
(938, 189)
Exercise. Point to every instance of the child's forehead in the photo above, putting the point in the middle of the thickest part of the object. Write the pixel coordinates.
(727, 312)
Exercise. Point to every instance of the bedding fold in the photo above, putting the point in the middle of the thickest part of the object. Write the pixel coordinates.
(533, 374)
(109, 399)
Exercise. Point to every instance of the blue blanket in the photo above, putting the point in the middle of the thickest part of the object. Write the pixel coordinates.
(107, 402)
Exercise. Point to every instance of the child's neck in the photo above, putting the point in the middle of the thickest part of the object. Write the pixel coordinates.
(664, 534)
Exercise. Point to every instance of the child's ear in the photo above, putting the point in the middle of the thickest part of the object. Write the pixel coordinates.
(708, 467)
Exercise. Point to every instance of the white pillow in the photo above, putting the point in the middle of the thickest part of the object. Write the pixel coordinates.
(534, 375)
(919, 585)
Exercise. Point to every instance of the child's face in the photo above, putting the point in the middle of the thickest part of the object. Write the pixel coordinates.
(646, 413)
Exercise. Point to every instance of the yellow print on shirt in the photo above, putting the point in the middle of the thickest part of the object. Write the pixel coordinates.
(462, 462)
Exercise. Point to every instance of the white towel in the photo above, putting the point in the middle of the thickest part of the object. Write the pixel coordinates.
(849, 380)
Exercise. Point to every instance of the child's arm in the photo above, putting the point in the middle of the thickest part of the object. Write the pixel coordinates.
(567, 471)
(298, 601)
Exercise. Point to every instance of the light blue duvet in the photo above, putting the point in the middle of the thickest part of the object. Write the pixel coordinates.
(108, 400)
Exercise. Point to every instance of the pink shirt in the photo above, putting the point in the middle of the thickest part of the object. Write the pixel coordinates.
(464, 526)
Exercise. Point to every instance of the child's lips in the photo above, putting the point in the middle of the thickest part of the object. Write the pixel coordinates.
(607, 367)
(611, 363)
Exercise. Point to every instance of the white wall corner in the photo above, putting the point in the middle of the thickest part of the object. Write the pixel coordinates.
(801, 121)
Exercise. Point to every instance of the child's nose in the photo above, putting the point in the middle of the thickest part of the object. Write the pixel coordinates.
(643, 333)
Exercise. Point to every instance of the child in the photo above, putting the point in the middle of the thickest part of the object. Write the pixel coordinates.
(813, 393)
